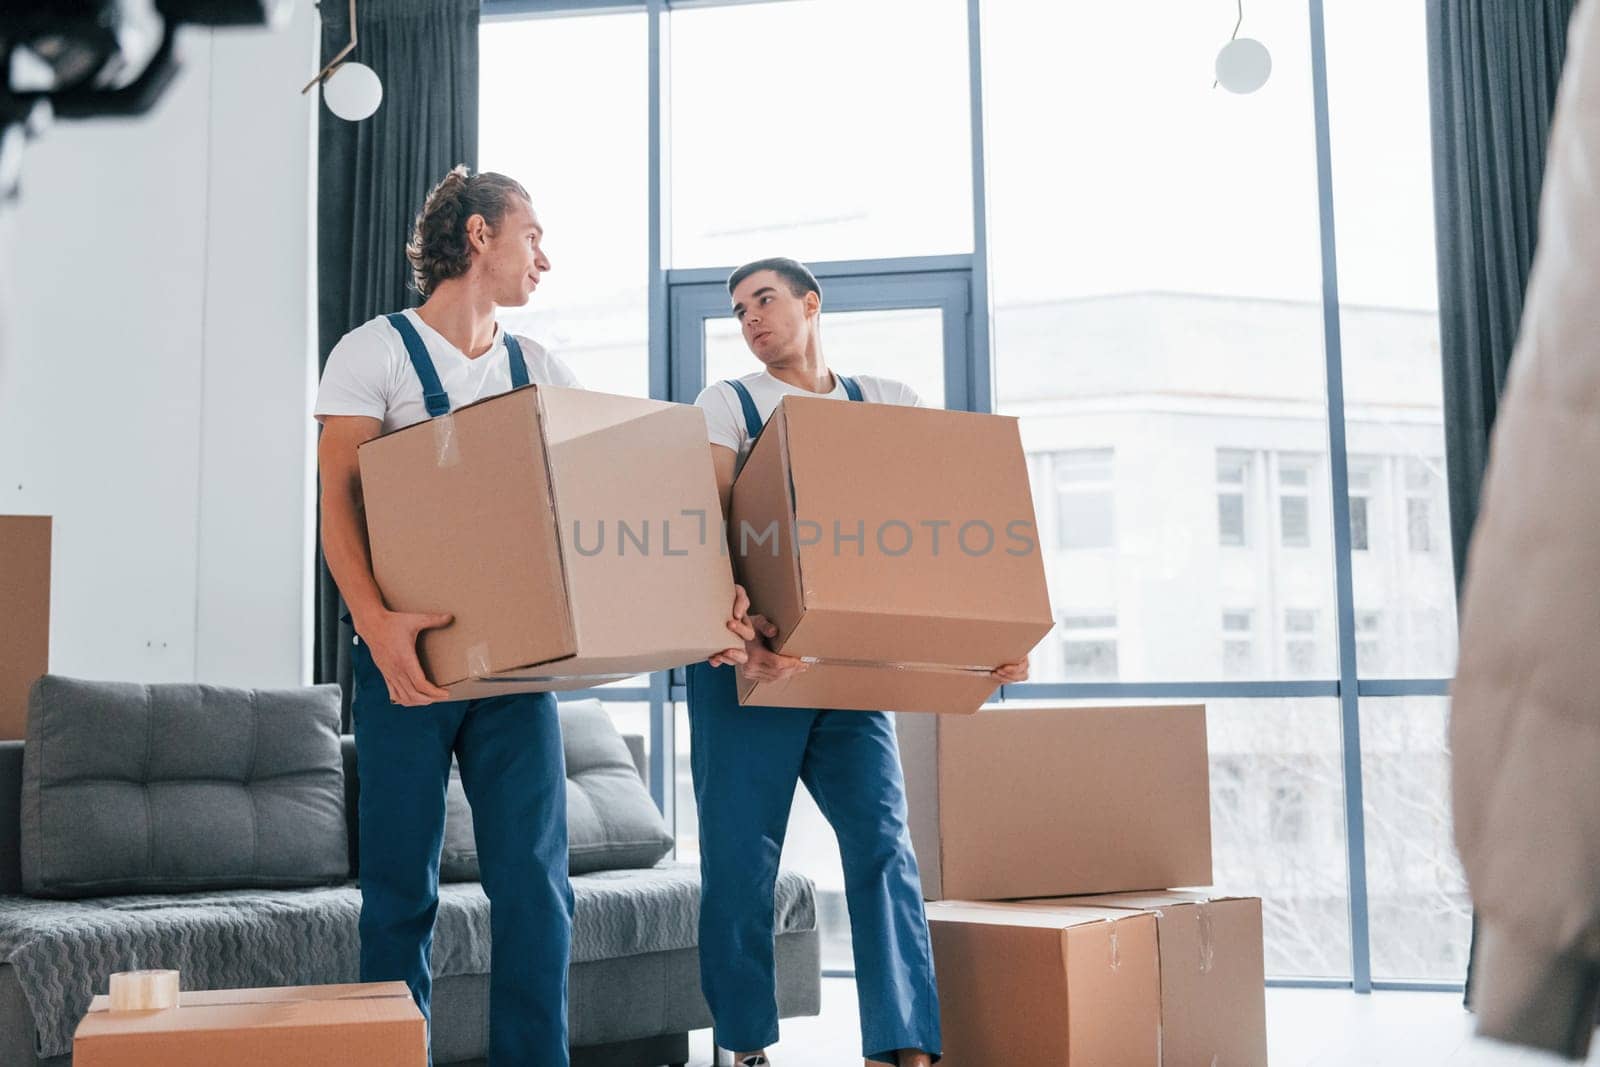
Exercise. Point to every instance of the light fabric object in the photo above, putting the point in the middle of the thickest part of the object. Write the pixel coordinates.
(1525, 722)
(63, 950)
(369, 373)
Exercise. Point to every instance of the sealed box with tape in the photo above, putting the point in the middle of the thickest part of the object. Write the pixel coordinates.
(1045, 802)
(1051, 984)
(1213, 976)
(359, 1025)
(573, 535)
(894, 548)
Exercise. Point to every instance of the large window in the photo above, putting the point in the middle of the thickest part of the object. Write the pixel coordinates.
(1143, 287)
(1155, 283)
(1157, 277)
(589, 191)
(817, 129)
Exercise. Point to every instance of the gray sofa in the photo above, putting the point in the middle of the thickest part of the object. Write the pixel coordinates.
(634, 983)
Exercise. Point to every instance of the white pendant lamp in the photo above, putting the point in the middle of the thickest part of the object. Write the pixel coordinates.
(1243, 64)
(351, 90)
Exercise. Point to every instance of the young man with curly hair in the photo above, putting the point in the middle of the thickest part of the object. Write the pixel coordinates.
(477, 245)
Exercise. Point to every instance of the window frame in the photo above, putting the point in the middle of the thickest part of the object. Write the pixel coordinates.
(975, 392)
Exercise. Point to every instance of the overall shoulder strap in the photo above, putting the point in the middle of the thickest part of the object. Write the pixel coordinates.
(752, 417)
(852, 388)
(433, 394)
(519, 366)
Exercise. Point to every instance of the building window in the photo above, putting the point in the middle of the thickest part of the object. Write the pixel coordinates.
(1429, 640)
(1369, 640)
(1233, 484)
(1089, 647)
(1084, 503)
(1361, 479)
(1421, 491)
(1300, 641)
(1287, 813)
(1294, 502)
(1238, 643)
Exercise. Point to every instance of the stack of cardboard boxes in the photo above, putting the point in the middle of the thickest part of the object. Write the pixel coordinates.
(1044, 836)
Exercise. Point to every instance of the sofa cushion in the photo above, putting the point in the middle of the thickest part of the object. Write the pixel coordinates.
(174, 788)
(612, 824)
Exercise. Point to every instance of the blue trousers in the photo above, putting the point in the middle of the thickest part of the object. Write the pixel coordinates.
(747, 762)
(514, 775)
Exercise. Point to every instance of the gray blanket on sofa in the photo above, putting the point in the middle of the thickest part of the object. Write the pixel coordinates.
(64, 950)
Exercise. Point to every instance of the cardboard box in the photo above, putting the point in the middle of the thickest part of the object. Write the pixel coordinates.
(1213, 975)
(1058, 985)
(25, 622)
(372, 1025)
(1047, 802)
(572, 534)
(893, 547)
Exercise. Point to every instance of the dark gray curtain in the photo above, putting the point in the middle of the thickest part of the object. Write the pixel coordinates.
(1494, 67)
(372, 177)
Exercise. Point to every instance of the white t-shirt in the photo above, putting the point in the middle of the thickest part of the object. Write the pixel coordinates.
(725, 414)
(369, 372)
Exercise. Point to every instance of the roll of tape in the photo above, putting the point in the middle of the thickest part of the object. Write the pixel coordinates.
(144, 990)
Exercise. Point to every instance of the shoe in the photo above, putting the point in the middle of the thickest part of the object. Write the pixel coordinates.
(754, 1059)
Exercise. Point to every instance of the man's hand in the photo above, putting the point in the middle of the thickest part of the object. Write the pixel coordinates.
(741, 627)
(391, 637)
(1011, 673)
(764, 665)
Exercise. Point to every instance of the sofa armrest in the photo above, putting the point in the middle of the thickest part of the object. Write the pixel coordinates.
(11, 817)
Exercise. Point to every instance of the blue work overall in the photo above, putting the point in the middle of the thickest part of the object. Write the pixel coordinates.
(746, 762)
(514, 775)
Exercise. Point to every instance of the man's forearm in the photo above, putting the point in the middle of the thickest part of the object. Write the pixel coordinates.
(345, 547)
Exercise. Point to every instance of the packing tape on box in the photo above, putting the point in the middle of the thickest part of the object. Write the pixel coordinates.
(446, 453)
(587, 680)
(144, 990)
(1116, 950)
(1208, 939)
(478, 661)
(878, 664)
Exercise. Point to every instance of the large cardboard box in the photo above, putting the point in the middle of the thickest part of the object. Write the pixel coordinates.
(893, 547)
(1046, 802)
(573, 535)
(1213, 975)
(1060, 985)
(372, 1025)
(25, 619)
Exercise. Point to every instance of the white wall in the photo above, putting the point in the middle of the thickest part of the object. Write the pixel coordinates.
(154, 381)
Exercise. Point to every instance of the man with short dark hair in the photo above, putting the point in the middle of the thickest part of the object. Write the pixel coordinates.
(747, 760)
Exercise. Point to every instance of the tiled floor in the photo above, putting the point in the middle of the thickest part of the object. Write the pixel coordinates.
(1305, 1028)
